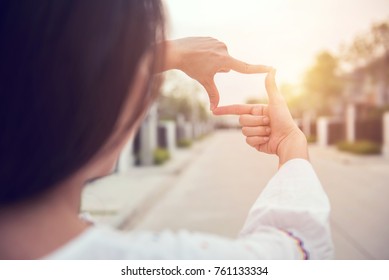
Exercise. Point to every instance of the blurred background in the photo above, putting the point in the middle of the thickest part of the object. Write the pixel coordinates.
(186, 169)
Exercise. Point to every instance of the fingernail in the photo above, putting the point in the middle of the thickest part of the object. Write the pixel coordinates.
(265, 120)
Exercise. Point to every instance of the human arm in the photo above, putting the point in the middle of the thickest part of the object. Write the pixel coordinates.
(293, 202)
(201, 58)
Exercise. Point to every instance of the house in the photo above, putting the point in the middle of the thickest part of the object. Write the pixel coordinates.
(369, 85)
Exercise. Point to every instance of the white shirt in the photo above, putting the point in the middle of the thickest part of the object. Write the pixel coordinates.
(289, 220)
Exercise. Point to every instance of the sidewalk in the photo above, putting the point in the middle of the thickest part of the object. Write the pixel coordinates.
(121, 199)
(375, 163)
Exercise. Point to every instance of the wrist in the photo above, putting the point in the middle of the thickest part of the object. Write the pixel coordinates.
(172, 55)
(293, 146)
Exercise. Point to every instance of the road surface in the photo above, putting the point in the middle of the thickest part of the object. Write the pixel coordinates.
(214, 193)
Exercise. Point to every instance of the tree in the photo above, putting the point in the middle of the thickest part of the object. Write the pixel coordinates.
(295, 99)
(322, 84)
(180, 96)
(369, 54)
(368, 48)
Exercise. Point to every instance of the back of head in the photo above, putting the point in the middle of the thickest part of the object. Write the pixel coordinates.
(66, 69)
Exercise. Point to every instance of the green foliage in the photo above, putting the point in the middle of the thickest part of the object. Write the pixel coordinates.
(161, 155)
(311, 139)
(322, 84)
(203, 136)
(184, 143)
(363, 147)
(170, 106)
(181, 97)
(295, 99)
(368, 46)
(203, 112)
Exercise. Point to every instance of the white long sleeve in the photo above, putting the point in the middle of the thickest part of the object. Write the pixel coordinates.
(288, 221)
(294, 202)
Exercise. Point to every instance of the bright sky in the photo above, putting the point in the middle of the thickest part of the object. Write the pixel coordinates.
(286, 34)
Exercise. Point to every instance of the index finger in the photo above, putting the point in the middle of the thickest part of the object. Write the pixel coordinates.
(246, 68)
(237, 109)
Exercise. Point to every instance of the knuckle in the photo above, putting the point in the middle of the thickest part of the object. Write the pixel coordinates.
(241, 120)
(264, 120)
(204, 82)
(257, 110)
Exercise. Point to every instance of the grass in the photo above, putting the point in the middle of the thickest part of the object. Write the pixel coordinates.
(184, 143)
(311, 139)
(161, 155)
(203, 136)
(363, 147)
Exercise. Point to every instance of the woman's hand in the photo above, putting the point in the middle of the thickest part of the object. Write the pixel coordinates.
(201, 58)
(285, 139)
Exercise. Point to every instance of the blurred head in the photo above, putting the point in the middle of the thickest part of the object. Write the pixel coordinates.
(75, 80)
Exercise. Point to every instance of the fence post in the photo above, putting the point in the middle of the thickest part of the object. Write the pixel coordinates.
(322, 131)
(306, 123)
(350, 122)
(126, 158)
(148, 137)
(385, 124)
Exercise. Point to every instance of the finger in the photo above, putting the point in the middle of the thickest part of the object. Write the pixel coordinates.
(271, 87)
(233, 110)
(265, 110)
(250, 120)
(213, 93)
(261, 148)
(246, 68)
(256, 140)
(257, 147)
(260, 110)
(238, 109)
(256, 131)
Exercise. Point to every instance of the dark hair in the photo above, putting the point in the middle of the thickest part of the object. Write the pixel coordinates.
(66, 67)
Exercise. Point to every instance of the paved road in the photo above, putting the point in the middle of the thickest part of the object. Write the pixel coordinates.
(216, 191)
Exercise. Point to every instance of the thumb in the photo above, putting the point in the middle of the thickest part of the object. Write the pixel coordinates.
(271, 87)
(213, 93)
